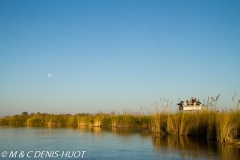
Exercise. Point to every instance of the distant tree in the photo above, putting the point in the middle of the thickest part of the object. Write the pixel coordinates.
(25, 113)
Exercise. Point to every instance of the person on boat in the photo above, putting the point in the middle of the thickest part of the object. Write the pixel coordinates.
(191, 101)
(194, 100)
(198, 102)
(181, 103)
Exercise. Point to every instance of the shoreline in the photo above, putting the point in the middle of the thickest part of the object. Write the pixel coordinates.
(223, 127)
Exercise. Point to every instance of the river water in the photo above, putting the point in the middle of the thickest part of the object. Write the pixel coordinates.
(98, 143)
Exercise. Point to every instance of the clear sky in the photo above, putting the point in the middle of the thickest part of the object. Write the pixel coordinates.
(113, 54)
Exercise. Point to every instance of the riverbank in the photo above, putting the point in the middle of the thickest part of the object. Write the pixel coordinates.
(220, 126)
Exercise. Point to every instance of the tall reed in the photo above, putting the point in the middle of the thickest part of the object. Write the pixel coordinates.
(226, 126)
(222, 126)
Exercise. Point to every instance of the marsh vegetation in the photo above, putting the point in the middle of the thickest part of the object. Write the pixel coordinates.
(222, 126)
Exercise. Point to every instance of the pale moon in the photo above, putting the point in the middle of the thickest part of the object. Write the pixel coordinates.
(49, 75)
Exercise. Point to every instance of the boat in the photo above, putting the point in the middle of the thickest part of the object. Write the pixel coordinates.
(188, 107)
(192, 106)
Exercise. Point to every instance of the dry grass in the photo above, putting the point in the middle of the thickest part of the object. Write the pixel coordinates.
(220, 126)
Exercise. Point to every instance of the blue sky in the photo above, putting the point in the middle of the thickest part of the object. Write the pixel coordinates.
(109, 55)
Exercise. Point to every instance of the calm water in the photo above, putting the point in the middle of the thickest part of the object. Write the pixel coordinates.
(63, 143)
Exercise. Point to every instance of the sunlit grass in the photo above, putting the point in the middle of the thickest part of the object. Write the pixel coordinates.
(223, 126)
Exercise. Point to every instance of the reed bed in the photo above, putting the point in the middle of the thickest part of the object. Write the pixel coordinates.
(222, 126)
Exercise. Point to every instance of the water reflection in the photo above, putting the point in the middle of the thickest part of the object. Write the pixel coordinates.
(228, 151)
(194, 147)
(114, 142)
(184, 147)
